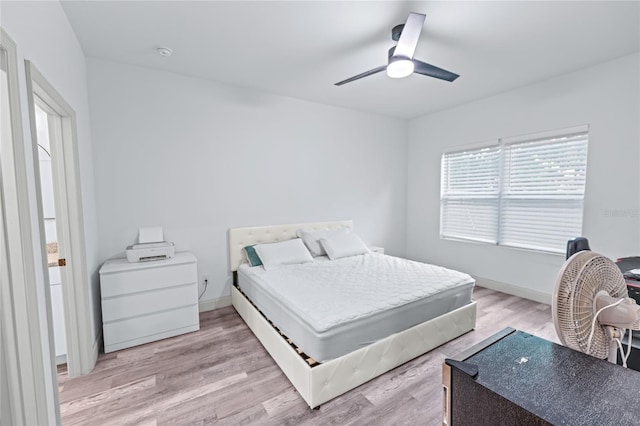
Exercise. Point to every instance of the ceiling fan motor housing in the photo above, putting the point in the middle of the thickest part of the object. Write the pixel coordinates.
(396, 31)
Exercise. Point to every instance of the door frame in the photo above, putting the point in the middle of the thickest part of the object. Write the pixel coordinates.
(82, 351)
(29, 374)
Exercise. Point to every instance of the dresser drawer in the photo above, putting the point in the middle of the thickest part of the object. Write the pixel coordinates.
(133, 281)
(147, 326)
(131, 305)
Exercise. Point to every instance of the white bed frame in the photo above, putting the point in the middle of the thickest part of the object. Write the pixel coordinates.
(326, 381)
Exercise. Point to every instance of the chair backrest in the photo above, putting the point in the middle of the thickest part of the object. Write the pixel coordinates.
(576, 245)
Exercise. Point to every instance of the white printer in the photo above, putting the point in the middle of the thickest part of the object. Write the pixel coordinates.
(151, 246)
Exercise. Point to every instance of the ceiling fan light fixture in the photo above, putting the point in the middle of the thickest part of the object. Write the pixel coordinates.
(400, 67)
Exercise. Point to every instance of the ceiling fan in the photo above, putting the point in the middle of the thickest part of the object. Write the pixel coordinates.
(401, 62)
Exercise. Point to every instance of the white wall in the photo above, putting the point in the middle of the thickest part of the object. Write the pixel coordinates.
(198, 158)
(607, 98)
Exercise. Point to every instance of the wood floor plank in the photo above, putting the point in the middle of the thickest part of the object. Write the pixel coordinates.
(97, 398)
(222, 375)
(282, 402)
(388, 410)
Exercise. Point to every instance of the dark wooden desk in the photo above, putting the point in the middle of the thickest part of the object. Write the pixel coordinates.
(525, 380)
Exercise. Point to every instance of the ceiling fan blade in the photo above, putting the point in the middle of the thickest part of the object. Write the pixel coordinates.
(406, 46)
(423, 68)
(364, 74)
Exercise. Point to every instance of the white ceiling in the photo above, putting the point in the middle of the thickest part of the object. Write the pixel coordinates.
(300, 48)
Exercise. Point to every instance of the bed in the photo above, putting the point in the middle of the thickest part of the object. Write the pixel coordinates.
(336, 368)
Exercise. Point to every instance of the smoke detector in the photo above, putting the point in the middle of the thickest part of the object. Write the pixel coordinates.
(164, 51)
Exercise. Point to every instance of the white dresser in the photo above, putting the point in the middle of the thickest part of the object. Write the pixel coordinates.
(148, 301)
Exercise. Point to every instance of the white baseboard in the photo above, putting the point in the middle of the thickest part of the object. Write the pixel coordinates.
(526, 293)
(211, 304)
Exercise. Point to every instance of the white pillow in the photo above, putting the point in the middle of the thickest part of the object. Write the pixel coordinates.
(344, 245)
(287, 252)
(312, 238)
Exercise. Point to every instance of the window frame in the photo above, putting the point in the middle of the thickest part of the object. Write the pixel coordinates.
(504, 146)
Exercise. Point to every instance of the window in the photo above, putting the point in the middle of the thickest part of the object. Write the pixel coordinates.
(522, 192)
(470, 194)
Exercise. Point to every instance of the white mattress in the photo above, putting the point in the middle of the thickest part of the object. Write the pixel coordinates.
(330, 308)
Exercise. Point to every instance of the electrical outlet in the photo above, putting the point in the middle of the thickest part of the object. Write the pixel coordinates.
(205, 278)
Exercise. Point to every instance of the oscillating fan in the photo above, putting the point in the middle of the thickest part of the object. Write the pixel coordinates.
(591, 308)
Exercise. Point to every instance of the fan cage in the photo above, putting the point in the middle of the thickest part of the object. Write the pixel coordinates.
(582, 276)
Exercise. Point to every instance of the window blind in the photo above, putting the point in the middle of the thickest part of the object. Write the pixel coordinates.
(542, 191)
(526, 192)
(470, 194)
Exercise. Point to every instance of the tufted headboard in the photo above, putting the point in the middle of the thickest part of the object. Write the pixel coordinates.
(242, 237)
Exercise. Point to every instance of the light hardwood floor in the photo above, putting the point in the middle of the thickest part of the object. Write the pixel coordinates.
(222, 375)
